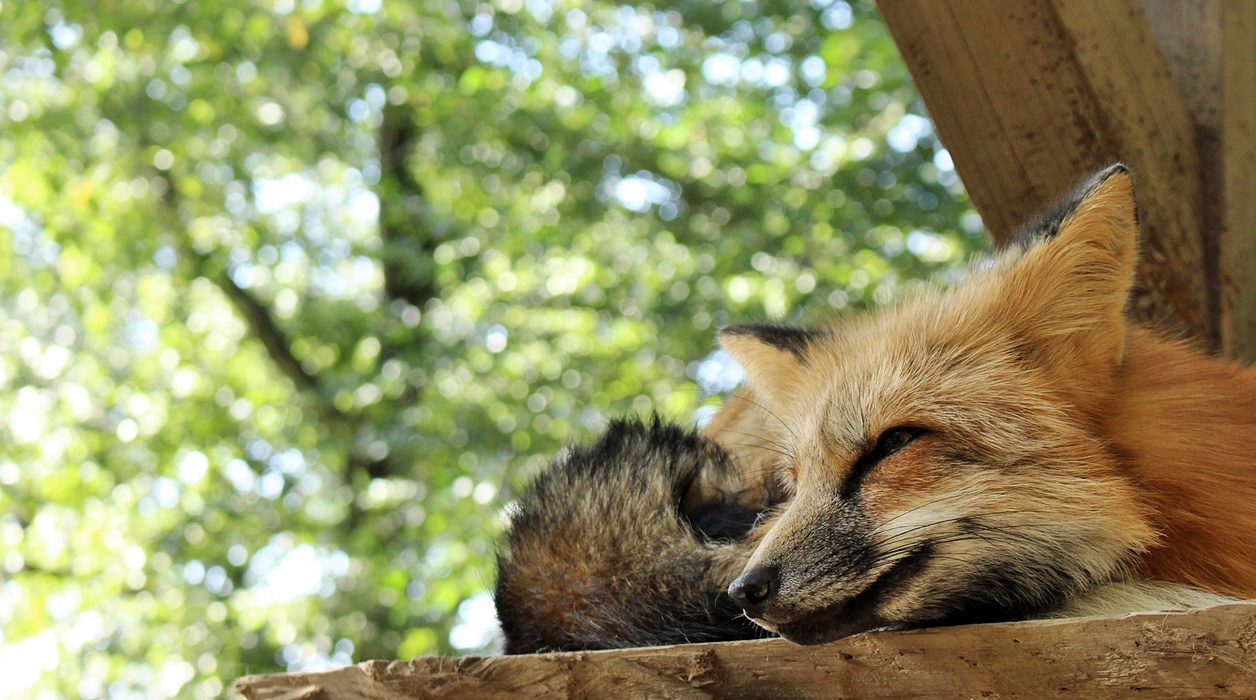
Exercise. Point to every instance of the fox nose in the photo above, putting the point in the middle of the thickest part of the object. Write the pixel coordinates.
(753, 589)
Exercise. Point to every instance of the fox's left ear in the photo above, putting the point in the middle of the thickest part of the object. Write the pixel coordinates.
(1048, 224)
(1068, 292)
(773, 357)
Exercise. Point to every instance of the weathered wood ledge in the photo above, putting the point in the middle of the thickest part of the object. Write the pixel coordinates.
(1201, 653)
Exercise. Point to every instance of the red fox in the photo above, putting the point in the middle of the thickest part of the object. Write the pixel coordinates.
(1010, 448)
(995, 450)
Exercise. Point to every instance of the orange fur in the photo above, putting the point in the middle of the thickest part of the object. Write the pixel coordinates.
(1022, 403)
(1181, 422)
(1012, 447)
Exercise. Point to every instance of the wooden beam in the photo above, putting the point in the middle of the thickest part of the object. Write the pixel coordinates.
(1210, 48)
(1031, 96)
(1237, 247)
(1201, 653)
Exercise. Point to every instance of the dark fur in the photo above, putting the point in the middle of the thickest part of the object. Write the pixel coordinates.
(600, 553)
(786, 337)
(1047, 224)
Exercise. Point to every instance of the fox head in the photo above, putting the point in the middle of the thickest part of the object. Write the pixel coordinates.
(944, 456)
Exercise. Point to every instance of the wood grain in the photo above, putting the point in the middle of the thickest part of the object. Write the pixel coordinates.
(1202, 653)
(1237, 245)
(1031, 96)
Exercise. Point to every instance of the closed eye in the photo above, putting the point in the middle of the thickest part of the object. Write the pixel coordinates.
(893, 440)
(889, 442)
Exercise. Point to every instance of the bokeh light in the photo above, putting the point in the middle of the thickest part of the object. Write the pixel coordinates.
(295, 294)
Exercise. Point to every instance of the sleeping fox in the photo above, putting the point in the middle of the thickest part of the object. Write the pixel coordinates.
(992, 451)
(1012, 447)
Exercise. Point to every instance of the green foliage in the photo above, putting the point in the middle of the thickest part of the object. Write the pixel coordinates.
(293, 295)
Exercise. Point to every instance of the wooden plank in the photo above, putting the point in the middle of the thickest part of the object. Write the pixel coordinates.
(1029, 96)
(979, 74)
(1190, 38)
(1200, 653)
(1210, 49)
(1237, 247)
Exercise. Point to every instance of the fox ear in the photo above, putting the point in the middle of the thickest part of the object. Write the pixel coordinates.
(773, 357)
(1068, 292)
(1047, 225)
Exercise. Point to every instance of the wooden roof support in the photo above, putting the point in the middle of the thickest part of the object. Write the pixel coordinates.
(1029, 96)
(1237, 146)
(1210, 47)
(1202, 653)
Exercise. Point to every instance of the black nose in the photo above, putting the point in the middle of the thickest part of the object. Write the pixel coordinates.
(753, 589)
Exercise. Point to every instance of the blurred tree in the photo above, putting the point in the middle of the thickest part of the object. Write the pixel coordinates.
(291, 293)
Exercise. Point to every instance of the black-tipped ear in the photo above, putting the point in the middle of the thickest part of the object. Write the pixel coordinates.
(788, 338)
(773, 357)
(1047, 224)
(1066, 295)
(1114, 169)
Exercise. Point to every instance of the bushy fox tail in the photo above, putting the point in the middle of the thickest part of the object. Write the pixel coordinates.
(629, 542)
